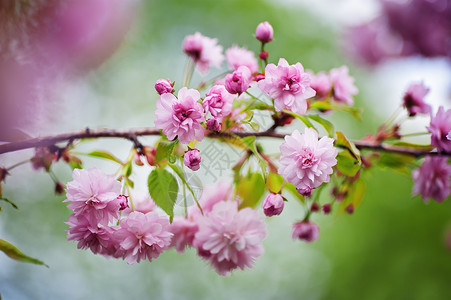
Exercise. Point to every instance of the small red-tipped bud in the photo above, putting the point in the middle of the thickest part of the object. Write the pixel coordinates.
(314, 207)
(43, 158)
(59, 188)
(306, 192)
(149, 153)
(350, 208)
(273, 205)
(163, 86)
(137, 159)
(263, 55)
(259, 77)
(123, 202)
(326, 208)
(264, 32)
(305, 231)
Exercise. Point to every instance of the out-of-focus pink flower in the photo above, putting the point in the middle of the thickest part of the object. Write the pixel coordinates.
(230, 238)
(305, 161)
(141, 203)
(413, 99)
(93, 194)
(432, 179)
(238, 81)
(343, 85)
(218, 101)
(184, 231)
(289, 86)
(180, 117)
(237, 57)
(222, 191)
(273, 205)
(192, 159)
(321, 83)
(439, 127)
(326, 208)
(90, 235)
(163, 86)
(213, 124)
(204, 51)
(305, 231)
(140, 236)
(264, 32)
(306, 191)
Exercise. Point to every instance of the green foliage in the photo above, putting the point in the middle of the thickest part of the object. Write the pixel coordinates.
(105, 155)
(8, 201)
(14, 253)
(347, 164)
(397, 161)
(293, 191)
(328, 126)
(164, 151)
(274, 183)
(249, 141)
(251, 188)
(163, 189)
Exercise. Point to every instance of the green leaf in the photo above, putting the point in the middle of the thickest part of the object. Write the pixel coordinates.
(10, 202)
(251, 189)
(328, 126)
(343, 142)
(347, 163)
(249, 141)
(164, 150)
(355, 194)
(254, 126)
(292, 189)
(163, 189)
(14, 253)
(105, 155)
(321, 105)
(181, 175)
(127, 170)
(304, 119)
(274, 182)
(413, 146)
(396, 161)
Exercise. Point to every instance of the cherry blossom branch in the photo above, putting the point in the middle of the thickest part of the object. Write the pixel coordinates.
(132, 134)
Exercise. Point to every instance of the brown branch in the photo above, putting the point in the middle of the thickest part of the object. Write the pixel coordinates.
(132, 134)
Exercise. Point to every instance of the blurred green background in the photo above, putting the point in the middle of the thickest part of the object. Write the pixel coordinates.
(392, 247)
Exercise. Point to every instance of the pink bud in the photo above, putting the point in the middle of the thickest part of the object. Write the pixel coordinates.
(259, 77)
(123, 202)
(213, 124)
(350, 208)
(59, 188)
(163, 86)
(306, 231)
(263, 55)
(273, 205)
(192, 159)
(314, 207)
(264, 32)
(306, 192)
(238, 81)
(326, 208)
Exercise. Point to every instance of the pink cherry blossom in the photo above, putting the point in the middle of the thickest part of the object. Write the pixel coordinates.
(163, 86)
(441, 126)
(192, 159)
(141, 202)
(432, 179)
(90, 235)
(321, 83)
(204, 51)
(180, 117)
(230, 238)
(140, 236)
(273, 205)
(413, 99)
(93, 194)
(306, 231)
(218, 101)
(213, 124)
(343, 85)
(238, 81)
(305, 161)
(211, 195)
(237, 57)
(289, 86)
(184, 231)
(264, 32)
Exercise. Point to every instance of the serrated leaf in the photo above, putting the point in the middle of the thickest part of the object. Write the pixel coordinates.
(163, 189)
(10, 202)
(14, 253)
(274, 182)
(105, 155)
(164, 150)
(251, 189)
(347, 163)
(328, 126)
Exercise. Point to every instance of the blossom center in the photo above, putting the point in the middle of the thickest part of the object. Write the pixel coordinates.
(307, 159)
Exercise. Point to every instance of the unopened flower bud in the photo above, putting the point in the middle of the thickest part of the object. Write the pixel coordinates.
(137, 159)
(314, 207)
(326, 208)
(263, 55)
(350, 208)
(59, 188)
(305, 231)
(259, 77)
(123, 202)
(213, 124)
(163, 86)
(149, 153)
(238, 81)
(3, 174)
(264, 32)
(306, 192)
(273, 205)
(192, 159)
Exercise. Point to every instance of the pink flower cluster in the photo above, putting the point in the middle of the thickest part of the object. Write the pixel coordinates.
(204, 51)
(440, 128)
(413, 99)
(432, 179)
(96, 201)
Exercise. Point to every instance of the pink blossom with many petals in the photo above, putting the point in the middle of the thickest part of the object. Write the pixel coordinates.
(94, 194)
(432, 179)
(237, 57)
(140, 236)
(321, 83)
(204, 51)
(413, 99)
(184, 231)
(230, 238)
(441, 126)
(289, 86)
(306, 231)
(343, 85)
(238, 81)
(218, 101)
(305, 161)
(181, 117)
(273, 205)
